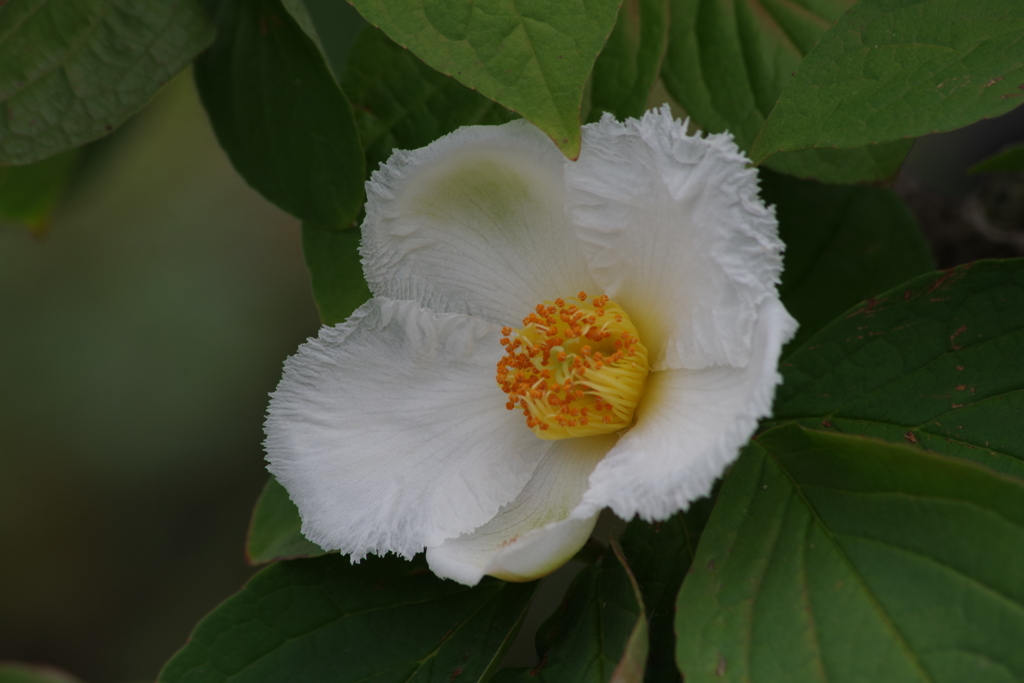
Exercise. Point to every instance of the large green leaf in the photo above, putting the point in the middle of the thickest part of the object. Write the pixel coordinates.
(531, 56)
(892, 69)
(660, 555)
(401, 103)
(843, 244)
(324, 619)
(934, 362)
(12, 672)
(728, 61)
(844, 559)
(28, 193)
(599, 633)
(274, 530)
(628, 65)
(70, 72)
(280, 115)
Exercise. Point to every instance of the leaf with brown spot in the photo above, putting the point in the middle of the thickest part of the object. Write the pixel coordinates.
(890, 70)
(897, 377)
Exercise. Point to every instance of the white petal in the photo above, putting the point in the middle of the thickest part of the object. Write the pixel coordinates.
(391, 434)
(474, 223)
(676, 234)
(690, 425)
(535, 534)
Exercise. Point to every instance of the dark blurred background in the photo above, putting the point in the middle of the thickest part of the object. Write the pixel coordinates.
(139, 341)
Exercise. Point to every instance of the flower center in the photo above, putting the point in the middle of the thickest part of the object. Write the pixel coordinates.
(576, 368)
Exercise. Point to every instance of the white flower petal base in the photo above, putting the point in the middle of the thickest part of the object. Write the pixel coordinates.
(473, 223)
(689, 427)
(390, 434)
(537, 532)
(675, 233)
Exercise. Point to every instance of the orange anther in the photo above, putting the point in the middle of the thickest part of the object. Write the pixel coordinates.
(555, 368)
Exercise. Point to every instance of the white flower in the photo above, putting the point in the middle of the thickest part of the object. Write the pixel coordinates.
(391, 432)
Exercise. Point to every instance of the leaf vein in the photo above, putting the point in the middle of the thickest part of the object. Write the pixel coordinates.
(880, 610)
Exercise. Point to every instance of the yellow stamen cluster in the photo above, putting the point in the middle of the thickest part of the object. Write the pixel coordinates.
(575, 368)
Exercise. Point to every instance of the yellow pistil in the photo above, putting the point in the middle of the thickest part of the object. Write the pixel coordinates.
(575, 368)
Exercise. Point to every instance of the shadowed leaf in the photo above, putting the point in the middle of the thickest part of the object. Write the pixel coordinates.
(628, 65)
(71, 72)
(599, 634)
(729, 60)
(280, 115)
(1009, 159)
(401, 103)
(324, 619)
(843, 244)
(838, 558)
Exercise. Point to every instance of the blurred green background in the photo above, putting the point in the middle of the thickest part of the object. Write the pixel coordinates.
(138, 343)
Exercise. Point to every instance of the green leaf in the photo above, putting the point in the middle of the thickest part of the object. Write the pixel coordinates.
(628, 65)
(660, 555)
(599, 633)
(401, 103)
(70, 72)
(728, 61)
(1009, 159)
(934, 362)
(274, 530)
(29, 193)
(531, 56)
(300, 13)
(280, 115)
(843, 244)
(335, 271)
(843, 559)
(337, 25)
(324, 619)
(11, 672)
(892, 69)
(870, 164)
